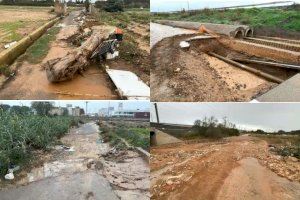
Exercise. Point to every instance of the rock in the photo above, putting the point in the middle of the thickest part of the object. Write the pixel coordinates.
(177, 70)
(293, 159)
(169, 182)
(9, 176)
(184, 44)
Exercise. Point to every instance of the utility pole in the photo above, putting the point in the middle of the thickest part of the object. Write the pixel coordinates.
(156, 111)
(86, 108)
(188, 5)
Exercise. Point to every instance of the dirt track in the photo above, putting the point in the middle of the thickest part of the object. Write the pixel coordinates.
(234, 168)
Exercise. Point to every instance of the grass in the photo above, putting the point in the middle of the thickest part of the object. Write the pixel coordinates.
(12, 27)
(135, 136)
(256, 17)
(123, 19)
(40, 47)
(20, 135)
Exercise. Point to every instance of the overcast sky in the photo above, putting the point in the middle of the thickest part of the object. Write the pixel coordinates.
(175, 5)
(93, 106)
(266, 116)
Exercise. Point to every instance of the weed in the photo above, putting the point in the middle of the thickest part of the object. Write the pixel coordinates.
(40, 48)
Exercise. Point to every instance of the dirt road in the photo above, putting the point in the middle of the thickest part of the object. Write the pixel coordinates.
(82, 172)
(234, 168)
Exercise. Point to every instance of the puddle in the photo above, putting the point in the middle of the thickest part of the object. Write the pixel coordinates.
(55, 169)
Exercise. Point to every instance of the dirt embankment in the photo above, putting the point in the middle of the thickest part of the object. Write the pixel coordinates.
(215, 170)
(193, 75)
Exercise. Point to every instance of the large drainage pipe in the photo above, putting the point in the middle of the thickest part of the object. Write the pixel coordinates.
(9, 55)
(236, 31)
(255, 71)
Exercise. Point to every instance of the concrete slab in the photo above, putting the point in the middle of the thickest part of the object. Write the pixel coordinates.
(164, 138)
(129, 85)
(288, 91)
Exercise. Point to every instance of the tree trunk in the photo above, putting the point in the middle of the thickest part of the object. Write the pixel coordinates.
(62, 69)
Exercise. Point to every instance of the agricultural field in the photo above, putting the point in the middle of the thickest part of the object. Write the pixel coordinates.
(17, 21)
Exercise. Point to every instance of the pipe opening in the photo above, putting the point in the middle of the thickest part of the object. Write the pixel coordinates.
(239, 34)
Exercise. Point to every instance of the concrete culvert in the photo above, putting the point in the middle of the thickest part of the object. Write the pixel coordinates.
(249, 32)
(153, 141)
(239, 34)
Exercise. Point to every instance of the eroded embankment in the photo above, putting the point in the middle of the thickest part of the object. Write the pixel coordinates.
(193, 75)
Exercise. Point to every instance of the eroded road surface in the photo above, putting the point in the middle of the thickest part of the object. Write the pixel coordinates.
(83, 171)
(240, 168)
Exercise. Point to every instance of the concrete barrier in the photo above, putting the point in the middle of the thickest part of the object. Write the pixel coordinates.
(9, 55)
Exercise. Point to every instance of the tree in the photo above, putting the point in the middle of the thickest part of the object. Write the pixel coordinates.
(114, 6)
(20, 110)
(42, 107)
(4, 107)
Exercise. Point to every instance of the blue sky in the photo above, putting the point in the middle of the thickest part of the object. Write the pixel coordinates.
(175, 5)
(93, 106)
(266, 116)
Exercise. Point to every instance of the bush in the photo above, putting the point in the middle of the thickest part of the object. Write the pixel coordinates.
(113, 6)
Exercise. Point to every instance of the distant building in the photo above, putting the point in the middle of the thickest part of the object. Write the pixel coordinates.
(77, 111)
(57, 111)
(135, 114)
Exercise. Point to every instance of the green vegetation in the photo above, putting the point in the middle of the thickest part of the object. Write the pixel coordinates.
(40, 48)
(135, 136)
(123, 19)
(12, 28)
(21, 133)
(283, 144)
(286, 19)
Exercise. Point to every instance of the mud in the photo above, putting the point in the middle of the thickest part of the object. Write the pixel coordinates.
(182, 171)
(192, 75)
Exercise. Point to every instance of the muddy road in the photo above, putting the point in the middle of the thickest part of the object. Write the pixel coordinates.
(83, 171)
(233, 168)
(193, 75)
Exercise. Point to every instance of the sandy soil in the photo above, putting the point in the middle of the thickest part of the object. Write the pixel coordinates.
(16, 13)
(215, 170)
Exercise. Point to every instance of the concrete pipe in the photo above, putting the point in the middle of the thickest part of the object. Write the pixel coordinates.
(249, 32)
(236, 31)
(9, 55)
(153, 141)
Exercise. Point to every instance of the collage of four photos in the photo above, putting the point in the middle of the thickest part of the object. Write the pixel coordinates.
(149, 99)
